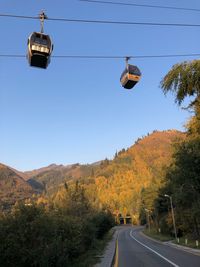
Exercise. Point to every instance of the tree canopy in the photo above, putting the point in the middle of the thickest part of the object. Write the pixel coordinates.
(184, 80)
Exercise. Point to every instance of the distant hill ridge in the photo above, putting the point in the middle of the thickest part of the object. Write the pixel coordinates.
(35, 172)
(149, 152)
(12, 187)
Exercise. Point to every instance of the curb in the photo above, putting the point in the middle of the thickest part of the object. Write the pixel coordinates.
(186, 249)
(108, 259)
(169, 243)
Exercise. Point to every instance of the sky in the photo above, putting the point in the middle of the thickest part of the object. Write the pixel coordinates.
(76, 110)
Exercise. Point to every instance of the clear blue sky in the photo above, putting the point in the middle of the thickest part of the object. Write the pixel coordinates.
(76, 110)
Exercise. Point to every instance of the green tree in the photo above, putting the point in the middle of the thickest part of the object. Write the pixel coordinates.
(183, 80)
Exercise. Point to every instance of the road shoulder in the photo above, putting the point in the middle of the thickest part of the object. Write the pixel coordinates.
(109, 253)
(171, 244)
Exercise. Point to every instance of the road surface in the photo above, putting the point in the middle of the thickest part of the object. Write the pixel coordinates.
(135, 250)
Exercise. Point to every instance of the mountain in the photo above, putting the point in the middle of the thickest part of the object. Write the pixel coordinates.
(50, 179)
(30, 174)
(12, 187)
(120, 185)
(132, 179)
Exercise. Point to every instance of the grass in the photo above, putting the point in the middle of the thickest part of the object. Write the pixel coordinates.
(93, 256)
(153, 233)
(191, 243)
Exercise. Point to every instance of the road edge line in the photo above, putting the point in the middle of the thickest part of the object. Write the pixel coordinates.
(115, 259)
(155, 252)
(173, 245)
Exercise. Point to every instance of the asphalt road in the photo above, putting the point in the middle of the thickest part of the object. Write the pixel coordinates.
(135, 250)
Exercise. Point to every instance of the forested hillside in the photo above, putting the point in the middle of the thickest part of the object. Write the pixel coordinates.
(120, 185)
(127, 182)
(50, 179)
(117, 185)
(13, 188)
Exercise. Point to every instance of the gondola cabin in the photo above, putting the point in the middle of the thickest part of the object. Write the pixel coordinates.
(130, 76)
(40, 48)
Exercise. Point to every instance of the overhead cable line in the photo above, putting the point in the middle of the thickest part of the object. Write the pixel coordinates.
(12, 56)
(104, 56)
(104, 21)
(18, 16)
(140, 5)
(122, 57)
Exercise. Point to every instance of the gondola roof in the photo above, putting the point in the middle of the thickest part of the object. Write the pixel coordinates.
(132, 69)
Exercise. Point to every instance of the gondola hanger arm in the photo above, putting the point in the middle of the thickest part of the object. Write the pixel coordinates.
(127, 59)
(42, 17)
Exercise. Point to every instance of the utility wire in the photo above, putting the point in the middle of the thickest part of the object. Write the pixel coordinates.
(123, 57)
(104, 57)
(105, 21)
(18, 16)
(12, 56)
(140, 5)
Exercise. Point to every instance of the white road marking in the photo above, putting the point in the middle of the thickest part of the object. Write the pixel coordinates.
(172, 263)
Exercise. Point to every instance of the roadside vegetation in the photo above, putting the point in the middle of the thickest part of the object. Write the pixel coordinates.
(183, 241)
(61, 233)
(154, 233)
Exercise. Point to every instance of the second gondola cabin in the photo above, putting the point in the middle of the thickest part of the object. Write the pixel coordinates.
(130, 76)
(40, 48)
